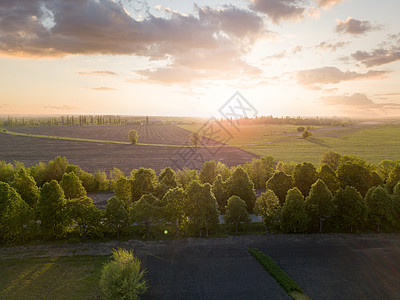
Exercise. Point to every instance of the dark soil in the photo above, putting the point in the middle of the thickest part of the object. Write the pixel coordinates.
(329, 266)
(148, 134)
(101, 156)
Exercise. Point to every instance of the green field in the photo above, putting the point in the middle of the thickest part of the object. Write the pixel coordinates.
(74, 277)
(373, 142)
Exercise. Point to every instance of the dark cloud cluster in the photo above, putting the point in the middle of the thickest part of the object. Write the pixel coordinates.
(209, 39)
(326, 75)
(354, 26)
(387, 52)
(279, 10)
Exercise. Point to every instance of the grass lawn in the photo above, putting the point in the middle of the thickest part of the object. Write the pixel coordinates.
(74, 277)
(372, 142)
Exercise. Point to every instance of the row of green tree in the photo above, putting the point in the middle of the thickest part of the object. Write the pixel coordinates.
(25, 193)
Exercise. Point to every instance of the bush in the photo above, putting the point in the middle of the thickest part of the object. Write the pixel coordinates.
(300, 129)
(306, 134)
(133, 136)
(122, 278)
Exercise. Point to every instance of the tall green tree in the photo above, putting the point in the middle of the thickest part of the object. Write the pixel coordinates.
(116, 215)
(223, 170)
(26, 187)
(148, 210)
(175, 202)
(384, 168)
(294, 217)
(87, 181)
(327, 175)
(201, 207)
(144, 181)
(84, 214)
(351, 209)
(396, 206)
(123, 190)
(236, 212)
(220, 190)
(51, 209)
(239, 184)
(115, 174)
(268, 207)
(72, 186)
(280, 183)
(260, 170)
(286, 167)
(304, 175)
(378, 201)
(167, 179)
(319, 203)
(56, 168)
(185, 176)
(393, 178)
(100, 181)
(208, 172)
(355, 175)
(15, 214)
(331, 158)
(6, 172)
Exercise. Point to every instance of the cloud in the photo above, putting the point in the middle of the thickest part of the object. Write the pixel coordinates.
(98, 73)
(377, 57)
(357, 101)
(59, 107)
(330, 46)
(214, 39)
(279, 10)
(103, 88)
(387, 52)
(328, 3)
(354, 26)
(327, 75)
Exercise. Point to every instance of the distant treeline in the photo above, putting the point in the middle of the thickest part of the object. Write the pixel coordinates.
(345, 193)
(81, 120)
(299, 121)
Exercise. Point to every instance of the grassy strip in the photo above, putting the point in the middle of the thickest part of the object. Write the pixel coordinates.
(286, 282)
(64, 277)
(103, 141)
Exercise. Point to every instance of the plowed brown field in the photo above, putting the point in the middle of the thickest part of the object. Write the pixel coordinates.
(102, 156)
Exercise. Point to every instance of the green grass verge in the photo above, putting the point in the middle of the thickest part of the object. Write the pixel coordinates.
(74, 277)
(285, 281)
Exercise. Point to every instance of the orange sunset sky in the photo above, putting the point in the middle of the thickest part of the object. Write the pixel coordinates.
(183, 58)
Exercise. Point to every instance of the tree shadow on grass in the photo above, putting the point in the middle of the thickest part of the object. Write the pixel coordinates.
(317, 141)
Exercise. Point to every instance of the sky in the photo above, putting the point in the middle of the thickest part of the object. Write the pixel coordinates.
(182, 58)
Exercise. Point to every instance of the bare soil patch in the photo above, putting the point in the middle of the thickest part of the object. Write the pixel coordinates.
(102, 156)
(148, 134)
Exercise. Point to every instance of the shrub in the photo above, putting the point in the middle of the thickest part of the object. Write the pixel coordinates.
(122, 278)
(133, 136)
(306, 134)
